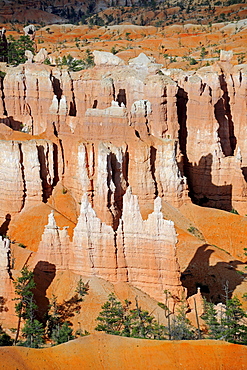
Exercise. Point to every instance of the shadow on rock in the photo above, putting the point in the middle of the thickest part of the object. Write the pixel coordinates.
(5, 225)
(44, 273)
(212, 280)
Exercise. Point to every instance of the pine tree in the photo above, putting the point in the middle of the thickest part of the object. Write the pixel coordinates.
(235, 330)
(118, 319)
(5, 339)
(33, 331)
(25, 308)
(17, 48)
(58, 327)
(62, 334)
(82, 288)
(144, 325)
(111, 318)
(210, 317)
(181, 328)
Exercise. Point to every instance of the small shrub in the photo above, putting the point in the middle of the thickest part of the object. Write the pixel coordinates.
(2, 74)
(193, 61)
(22, 245)
(47, 61)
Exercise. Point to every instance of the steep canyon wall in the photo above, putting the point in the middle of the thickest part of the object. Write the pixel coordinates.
(121, 140)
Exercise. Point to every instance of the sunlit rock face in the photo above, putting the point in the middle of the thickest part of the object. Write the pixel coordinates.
(141, 252)
(120, 139)
(26, 174)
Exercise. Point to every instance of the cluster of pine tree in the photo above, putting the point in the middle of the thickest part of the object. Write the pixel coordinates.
(56, 326)
(119, 319)
(229, 324)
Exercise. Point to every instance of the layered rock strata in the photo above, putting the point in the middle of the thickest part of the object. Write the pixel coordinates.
(26, 173)
(141, 252)
(204, 110)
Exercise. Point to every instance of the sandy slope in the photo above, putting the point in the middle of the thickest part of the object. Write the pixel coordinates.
(101, 351)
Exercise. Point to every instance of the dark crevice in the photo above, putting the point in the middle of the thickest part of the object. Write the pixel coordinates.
(240, 77)
(121, 97)
(203, 86)
(24, 87)
(222, 112)
(113, 91)
(72, 108)
(116, 171)
(3, 96)
(152, 168)
(244, 172)
(23, 177)
(43, 160)
(95, 103)
(90, 174)
(116, 249)
(55, 165)
(55, 129)
(56, 88)
(62, 152)
(124, 252)
(182, 100)
(137, 134)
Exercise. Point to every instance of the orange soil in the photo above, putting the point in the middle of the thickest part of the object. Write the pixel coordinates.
(129, 40)
(28, 226)
(101, 351)
(226, 230)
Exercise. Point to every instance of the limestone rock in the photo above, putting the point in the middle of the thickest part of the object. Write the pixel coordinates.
(141, 107)
(30, 31)
(54, 246)
(226, 56)
(106, 58)
(142, 252)
(93, 245)
(149, 249)
(143, 61)
(41, 56)
(26, 174)
(29, 56)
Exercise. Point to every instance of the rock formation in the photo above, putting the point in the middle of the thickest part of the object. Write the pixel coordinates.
(116, 103)
(54, 246)
(141, 252)
(170, 136)
(26, 174)
(30, 31)
(6, 286)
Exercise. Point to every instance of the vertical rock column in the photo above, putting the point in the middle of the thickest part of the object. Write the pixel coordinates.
(54, 246)
(149, 247)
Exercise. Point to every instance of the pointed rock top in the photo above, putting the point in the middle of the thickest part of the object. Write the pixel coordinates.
(157, 205)
(142, 60)
(51, 221)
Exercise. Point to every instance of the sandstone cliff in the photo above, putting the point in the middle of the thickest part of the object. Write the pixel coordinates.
(119, 142)
(141, 252)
